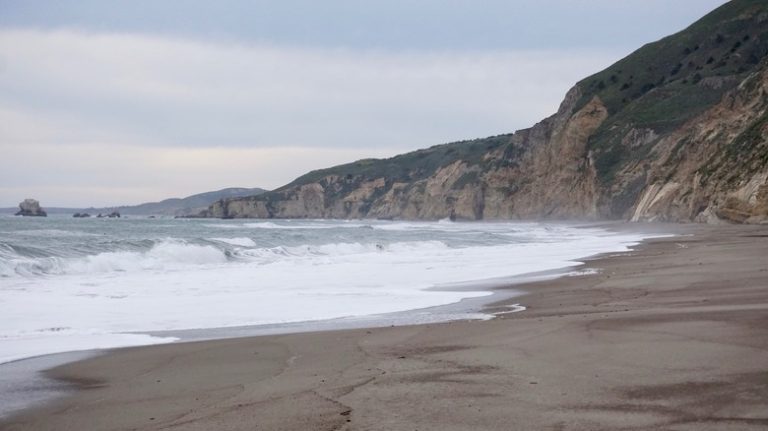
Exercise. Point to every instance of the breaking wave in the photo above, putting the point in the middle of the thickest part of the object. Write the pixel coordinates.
(178, 255)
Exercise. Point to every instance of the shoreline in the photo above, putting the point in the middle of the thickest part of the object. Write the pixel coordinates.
(28, 377)
(20, 372)
(110, 287)
(370, 372)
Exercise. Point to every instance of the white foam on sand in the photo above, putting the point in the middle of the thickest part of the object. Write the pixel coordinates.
(31, 345)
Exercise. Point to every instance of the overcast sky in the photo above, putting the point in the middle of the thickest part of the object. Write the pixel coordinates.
(122, 102)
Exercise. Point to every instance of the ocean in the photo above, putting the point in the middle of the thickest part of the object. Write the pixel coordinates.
(79, 284)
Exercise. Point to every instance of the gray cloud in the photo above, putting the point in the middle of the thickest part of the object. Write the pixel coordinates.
(392, 24)
(92, 95)
(145, 90)
(81, 175)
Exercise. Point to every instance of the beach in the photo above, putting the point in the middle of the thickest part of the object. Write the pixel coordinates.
(671, 335)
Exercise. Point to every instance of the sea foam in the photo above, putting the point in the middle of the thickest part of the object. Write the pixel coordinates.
(62, 292)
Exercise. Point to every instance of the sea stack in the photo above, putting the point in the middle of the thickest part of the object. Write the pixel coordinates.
(31, 208)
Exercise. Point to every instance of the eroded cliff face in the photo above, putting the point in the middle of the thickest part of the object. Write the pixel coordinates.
(677, 131)
(544, 171)
(715, 167)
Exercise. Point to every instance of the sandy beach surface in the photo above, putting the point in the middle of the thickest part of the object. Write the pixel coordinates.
(671, 336)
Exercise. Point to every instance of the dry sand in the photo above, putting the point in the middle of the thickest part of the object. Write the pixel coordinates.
(672, 336)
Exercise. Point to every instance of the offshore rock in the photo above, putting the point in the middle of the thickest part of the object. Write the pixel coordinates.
(31, 208)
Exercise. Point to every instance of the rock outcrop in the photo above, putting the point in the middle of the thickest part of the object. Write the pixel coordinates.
(677, 131)
(31, 208)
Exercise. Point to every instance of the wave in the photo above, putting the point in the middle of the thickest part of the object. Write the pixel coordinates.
(305, 225)
(268, 225)
(48, 233)
(178, 254)
(444, 225)
(66, 293)
(293, 225)
(241, 241)
(334, 252)
(163, 255)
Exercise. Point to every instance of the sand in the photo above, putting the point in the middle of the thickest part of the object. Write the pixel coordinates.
(671, 336)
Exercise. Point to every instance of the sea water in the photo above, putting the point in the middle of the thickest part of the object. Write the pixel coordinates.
(75, 284)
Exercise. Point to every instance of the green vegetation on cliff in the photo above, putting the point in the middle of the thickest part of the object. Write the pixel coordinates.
(411, 166)
(666, 83)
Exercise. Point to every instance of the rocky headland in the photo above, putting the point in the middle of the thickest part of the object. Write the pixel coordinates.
(180, 207)
(676, 131)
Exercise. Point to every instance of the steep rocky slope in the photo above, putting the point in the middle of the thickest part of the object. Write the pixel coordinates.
(676, 131)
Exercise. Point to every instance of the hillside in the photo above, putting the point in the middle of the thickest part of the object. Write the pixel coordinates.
(675, 131)
(180, 206)
(188, 205)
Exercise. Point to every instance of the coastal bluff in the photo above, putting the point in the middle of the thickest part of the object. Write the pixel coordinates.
(677, 131)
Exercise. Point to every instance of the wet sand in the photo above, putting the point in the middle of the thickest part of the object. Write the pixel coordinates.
(671, 336)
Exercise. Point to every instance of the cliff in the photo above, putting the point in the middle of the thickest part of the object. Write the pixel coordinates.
(676, 131)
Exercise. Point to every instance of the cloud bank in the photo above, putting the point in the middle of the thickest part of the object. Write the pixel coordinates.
(124, 118)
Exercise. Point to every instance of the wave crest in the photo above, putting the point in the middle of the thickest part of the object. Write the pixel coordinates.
(163, 255)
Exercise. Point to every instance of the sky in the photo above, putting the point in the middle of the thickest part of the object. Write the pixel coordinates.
(117, 102)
